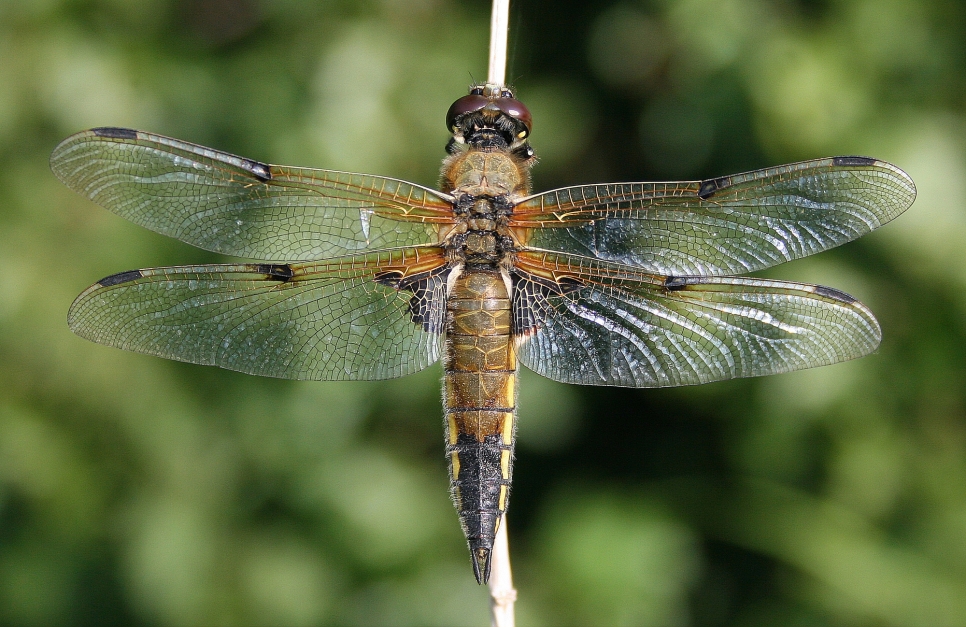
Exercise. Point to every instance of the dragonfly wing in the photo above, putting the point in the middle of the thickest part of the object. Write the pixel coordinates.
(729, 225)
(356, 318)
(604, 325)
(242, 207)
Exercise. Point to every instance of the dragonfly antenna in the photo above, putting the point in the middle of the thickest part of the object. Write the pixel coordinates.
(499, 27)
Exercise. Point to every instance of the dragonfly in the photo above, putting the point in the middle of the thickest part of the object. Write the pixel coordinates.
(363, 277)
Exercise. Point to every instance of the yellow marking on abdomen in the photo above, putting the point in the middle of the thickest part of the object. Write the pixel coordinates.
(453, 431)
(508, 428)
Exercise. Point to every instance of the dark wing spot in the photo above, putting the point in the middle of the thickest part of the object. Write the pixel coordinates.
(114, 132)
(389, 279)
(275, 271)
(821, 290)
(853, 161)
(710, 187)
(674, 283)
(120, 277)
(427, 306)
(262, 171)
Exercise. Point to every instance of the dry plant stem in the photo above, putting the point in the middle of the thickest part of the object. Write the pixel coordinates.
(502, 594)
(499, 27)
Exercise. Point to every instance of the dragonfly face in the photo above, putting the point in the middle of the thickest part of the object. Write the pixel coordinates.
(363, 277)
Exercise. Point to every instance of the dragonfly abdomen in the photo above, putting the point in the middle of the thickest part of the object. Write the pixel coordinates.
(479, 397)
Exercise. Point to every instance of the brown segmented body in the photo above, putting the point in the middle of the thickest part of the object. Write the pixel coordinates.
(479, 403)
(479, 358)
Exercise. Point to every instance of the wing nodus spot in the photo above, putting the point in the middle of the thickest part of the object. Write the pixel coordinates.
(675, 283)
(115, 132)
(275, 271)
(262, 171)
(120, 277)
(830, 292)
(853, 160)
(709, 187)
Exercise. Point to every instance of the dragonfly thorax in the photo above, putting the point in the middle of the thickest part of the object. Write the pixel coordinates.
(481, 173)
(486, 186)
(480, 236)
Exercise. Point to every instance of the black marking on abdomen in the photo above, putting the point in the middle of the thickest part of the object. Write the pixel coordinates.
(853, 160)
(275, 271)
(479, 480)
(261, 171)
(120, 277)
(115, 132)
(709, 187)
(831, 292)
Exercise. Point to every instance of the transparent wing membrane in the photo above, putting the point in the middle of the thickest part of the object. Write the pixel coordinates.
(610, 325)
(729, 225)
(241, 207)
(339, 320)
(617, 284)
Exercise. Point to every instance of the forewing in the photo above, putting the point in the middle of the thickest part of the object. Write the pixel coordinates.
(607, 325)
(237, 206)
(356, 318)
(729, 225)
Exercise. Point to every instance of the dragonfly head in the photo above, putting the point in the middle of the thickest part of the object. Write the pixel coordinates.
(490, 117)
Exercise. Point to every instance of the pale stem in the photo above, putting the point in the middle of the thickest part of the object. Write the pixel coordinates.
(502, 593)
(499, 27)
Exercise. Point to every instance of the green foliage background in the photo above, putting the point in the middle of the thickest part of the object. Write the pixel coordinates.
(138, 491)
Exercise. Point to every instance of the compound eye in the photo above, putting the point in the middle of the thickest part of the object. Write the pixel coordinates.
(476, 91)
(466, 104)
(516, 110)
